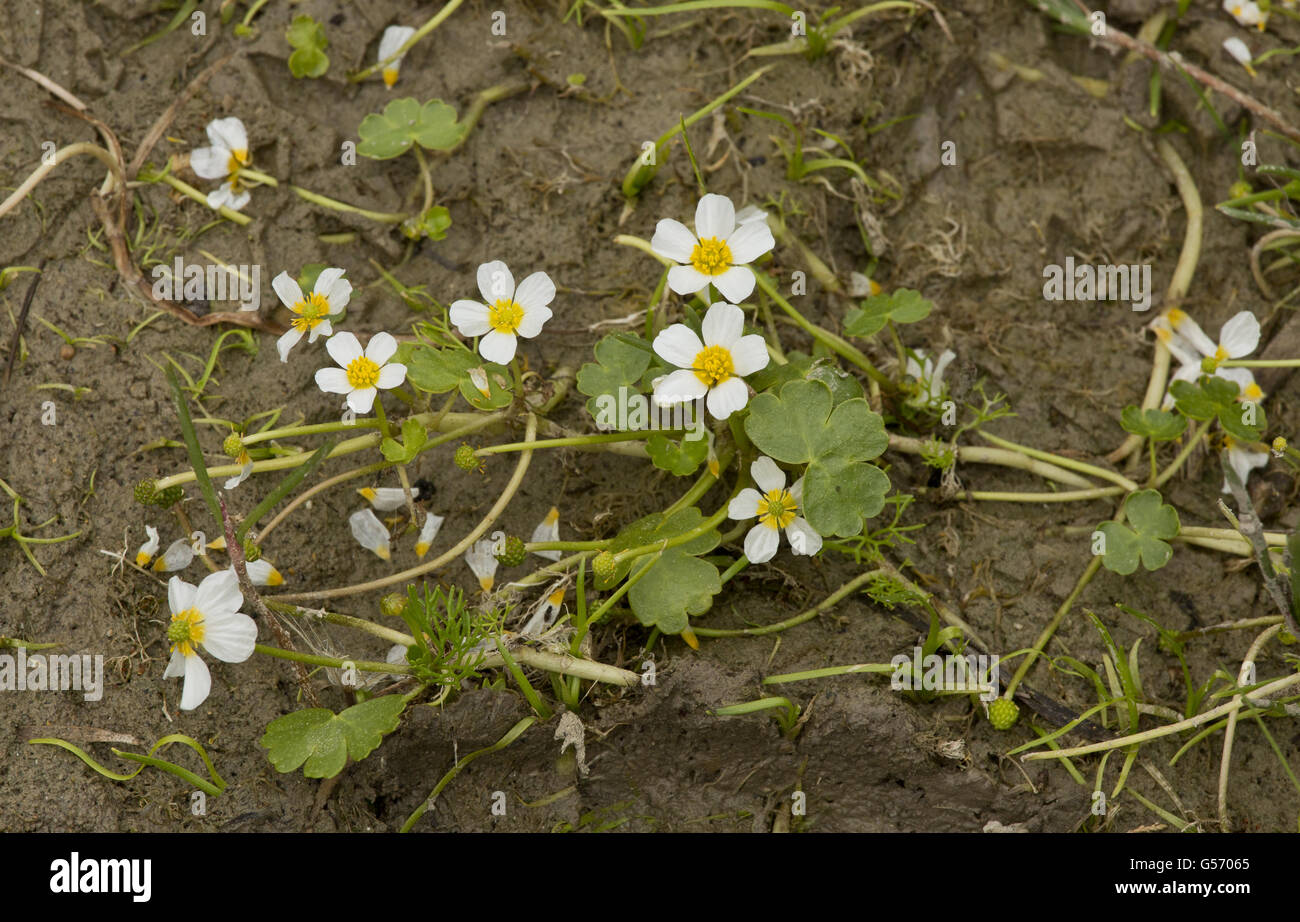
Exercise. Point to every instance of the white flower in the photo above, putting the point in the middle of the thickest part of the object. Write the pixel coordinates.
(394, 38)
(230, 194)
(1246, 13)
(361, 372)
(429, 531)
(929, 374)
(715, 367)
(1239, 50)
(386, 499)
(544, 612)
(149, 548)
(206, 616)
(719, 251)
(178, 556)
(750, 213)
(1241, 461)
(776, 508)
(370, 532)
(1187, 342)
(548, 530)
(229, 151)
(262, 572)
(328, 296)
(508, 312)
(483, 562)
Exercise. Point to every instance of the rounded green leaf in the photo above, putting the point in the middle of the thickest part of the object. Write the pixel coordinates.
(405, 122)
(322, 741)
(676, 587)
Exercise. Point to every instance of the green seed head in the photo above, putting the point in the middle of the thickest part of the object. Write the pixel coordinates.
(145, 491)
(1003, 713)
(513, 553)
(233, 445)
(393, 604)
(604, 566)
(252, 553)
(169, 497)
(466, 460)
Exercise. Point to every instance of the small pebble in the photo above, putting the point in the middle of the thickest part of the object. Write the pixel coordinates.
(67, 351)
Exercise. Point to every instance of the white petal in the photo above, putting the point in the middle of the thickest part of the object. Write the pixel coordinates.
(230, 636)
(324, 328)
(736, 284)
(483, 563)
(535, 291)
(1243, 462)
(228, 133)
(678, 345)
(681, 386)
(333, 381)
(262, 572)
(362, 400)
(548, 530)
(149, 548)
(1240, 335)
(386, 499)
(429, 531)
(673, 240)
(723, 324)
(1191, 331)
(728, 397)
(287, 342)
(233, 200)
(686, 280)
(394, 37)
(470, 317)
(244, 472)
(498, 347)
(218, 594)
(749, 242)
(343, 348)
(796, 492)
(220, 197)
(178, 556)
(336, 289)
(1238, 49)
(495, 281)
(381, 347)
(391, 375)
(175, 665)
(745, 504)
(750, 355)
(766, 474)
(715, 216)
(803, 540)
(198, 683)
(530, 324)
(751, 213)
(369, 532)
(210, 162)
(761, 543)
(288, 290)
(180, 595)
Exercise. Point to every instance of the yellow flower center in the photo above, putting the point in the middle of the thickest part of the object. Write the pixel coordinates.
(1253, 392)
(711, 256)
(310, 312)
(1176, 318)
(237, 159)
(362, 372)
(776, 509)
(186, 631)
(505, 315)
(1220, 354)
(713, 365)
